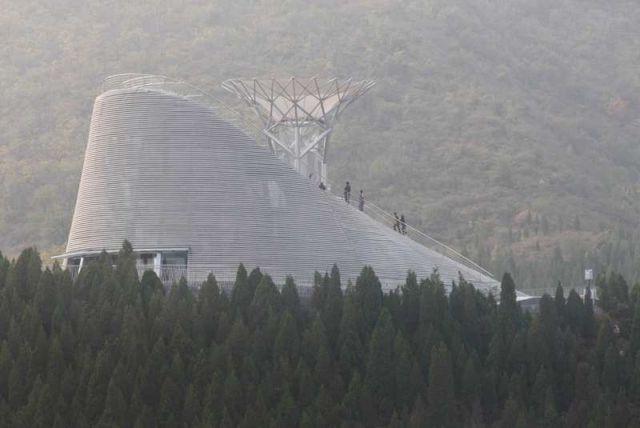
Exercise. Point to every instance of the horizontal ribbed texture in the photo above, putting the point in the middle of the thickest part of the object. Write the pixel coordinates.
(164, 172)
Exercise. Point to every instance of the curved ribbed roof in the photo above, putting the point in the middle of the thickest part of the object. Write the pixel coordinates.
(164, 171)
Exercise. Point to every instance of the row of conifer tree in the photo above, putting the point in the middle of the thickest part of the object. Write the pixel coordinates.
(112, 350)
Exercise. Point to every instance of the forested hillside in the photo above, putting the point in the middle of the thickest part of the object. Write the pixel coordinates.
(109, 350)
(507, 129)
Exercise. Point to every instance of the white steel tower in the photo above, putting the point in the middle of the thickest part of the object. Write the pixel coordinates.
(298, 115)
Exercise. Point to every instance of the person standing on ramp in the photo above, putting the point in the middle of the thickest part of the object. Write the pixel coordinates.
(347, 192)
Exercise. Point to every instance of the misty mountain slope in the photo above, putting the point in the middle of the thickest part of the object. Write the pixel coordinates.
(490, 120)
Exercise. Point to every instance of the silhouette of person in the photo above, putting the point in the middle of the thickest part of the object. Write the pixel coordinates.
(322, 186)
(347, 192)
(396, 223)
(361, 201)
(403, 223)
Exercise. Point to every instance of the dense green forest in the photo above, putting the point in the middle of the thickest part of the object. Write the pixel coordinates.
(507, 129)
(111, 350)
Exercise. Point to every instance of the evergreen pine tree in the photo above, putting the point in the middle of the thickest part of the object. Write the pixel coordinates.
(212, 407)
(327, 414)
(290, 299)
(238, 341)
(287, 411)
(418, 417)
(352, 401)
(589, 325)
(287, 341)
(250, 419)
(266, 298)
(44, 299)
(379, 378)
(610, 373)
(99, 383)
(350, 348)
(323, 364)
(152, 374)
(332, 308)
(508, 310)
(551, 418)
(233, 397)
(368, 292)
(242, 294)
(209, 306)
(411, 303)
(126, 270)
(254, 278)
(115, 407)
(471, 382)
(405, 384)
(510, 414)
(25, 274)
(305, 390)
(560, 302)
(441, 393)
(575, 313)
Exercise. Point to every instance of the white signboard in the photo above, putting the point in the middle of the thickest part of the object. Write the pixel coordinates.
(588, 274)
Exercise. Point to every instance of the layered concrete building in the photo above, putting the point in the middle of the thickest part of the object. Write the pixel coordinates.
(194, 194)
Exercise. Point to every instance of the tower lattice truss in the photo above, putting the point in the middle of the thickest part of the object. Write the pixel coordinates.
(298, 115)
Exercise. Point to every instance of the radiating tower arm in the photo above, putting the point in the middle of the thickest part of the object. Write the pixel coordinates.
(298, 115)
